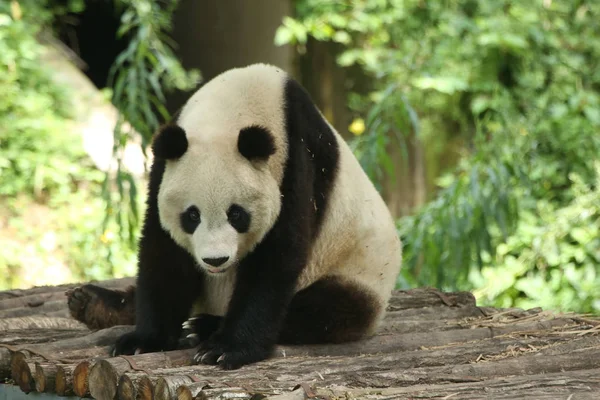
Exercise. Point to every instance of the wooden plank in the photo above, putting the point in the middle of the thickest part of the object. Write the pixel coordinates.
(109, 283)
(583, 384)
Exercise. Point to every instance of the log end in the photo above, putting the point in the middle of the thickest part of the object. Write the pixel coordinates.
(103, 380)
(166, 386)
(145, 389)
(184, 393)
(45, 377)
(126, 389)
(80, 379)
(21, 371)
(64, 380)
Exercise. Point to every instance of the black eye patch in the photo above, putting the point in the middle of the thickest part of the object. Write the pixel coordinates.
(238, 218)
(190, 219)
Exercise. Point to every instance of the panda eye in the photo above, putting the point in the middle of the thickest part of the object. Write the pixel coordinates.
(238, 218)
(194, 215)
(234, 215)
(190, 219)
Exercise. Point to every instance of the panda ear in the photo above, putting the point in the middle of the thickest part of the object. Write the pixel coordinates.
(170, 142)
(256, 143)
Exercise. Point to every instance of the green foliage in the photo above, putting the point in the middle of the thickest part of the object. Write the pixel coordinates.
(563, 246)
(33, 115)
(520, 81)
(138, 77)
(43, 168)
(50, 191)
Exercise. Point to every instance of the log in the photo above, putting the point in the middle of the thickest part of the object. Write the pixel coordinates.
(540, 386)
(296, 394)
(37, 322)
(104, 337)
(22, 371)
(22, 338)
(63, 357)
(551, 360)
(525, 365)
(185, 393)
(446, 318)
(31, 301)
(413, 341)
(80, 378)
(145, 388)
(289, 372)
(433, 313)
(126, 388)
(233, 393)
(45, 377)
(45, 308)
(540, 364)
(204, 391)
(90, 353)
(440, 318)
(135, 385)
(104, 375)
(118, 283)
(63, 351)
(62, 313)
(166, 386)
(559, 385)
(5, 360)
(225, 393)
(429, 297)
(64, 379)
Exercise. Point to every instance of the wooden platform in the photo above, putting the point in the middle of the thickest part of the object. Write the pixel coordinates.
(433, 345)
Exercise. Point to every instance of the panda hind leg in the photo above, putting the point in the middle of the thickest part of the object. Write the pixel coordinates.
(101, 308)
(331, 310)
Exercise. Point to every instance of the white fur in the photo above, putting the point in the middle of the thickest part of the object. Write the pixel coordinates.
(358, 239)
(212, 119)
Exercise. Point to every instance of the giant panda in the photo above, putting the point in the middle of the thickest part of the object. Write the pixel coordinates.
(261, 223)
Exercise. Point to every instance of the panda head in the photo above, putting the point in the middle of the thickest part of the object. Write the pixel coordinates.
(224, 158)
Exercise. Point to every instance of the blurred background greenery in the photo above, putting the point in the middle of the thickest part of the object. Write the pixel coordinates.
(479, 122)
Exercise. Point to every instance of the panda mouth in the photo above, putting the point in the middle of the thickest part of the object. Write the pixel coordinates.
(216, 271)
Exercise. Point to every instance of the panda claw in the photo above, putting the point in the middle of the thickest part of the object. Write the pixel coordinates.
(189, 323)
(137, 351)
(221, 358)
(192, 336)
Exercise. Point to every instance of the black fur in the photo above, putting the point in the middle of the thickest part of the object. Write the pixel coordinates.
(169, 143)
(190, 219)
(256, 143)
(110, 298)
(263, 309)
(167, 282)
(328, 311)
(202, 326)
(314, 152)
(266, 277)
(238, 218)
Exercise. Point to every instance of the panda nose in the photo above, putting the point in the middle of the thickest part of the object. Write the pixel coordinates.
(215, 262)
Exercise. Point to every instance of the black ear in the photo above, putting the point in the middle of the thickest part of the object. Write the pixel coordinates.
(256, 143)
(170, 142)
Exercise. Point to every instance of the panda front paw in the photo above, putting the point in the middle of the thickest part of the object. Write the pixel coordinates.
(199, 328)
(228, 354)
